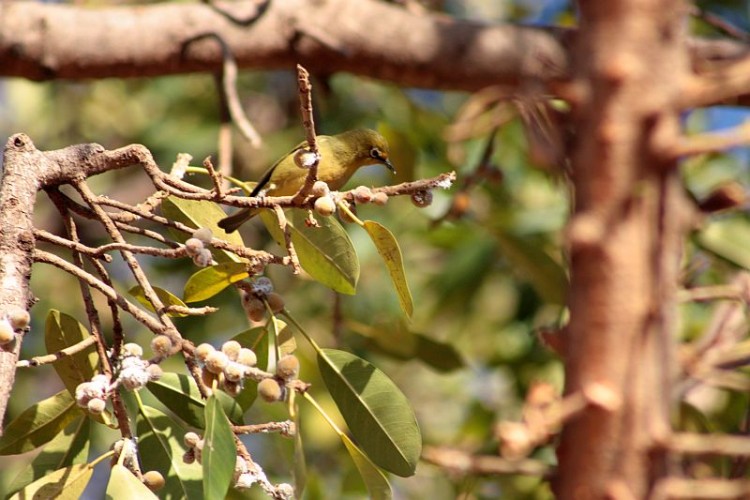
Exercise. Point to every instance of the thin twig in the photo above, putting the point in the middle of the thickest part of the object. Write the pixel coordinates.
(712, 142)
(720, 23)
(109, 292)
(286, 427)
(284, 226)
(304, 88)
(706, 489)
(227, 80)
(215, 176)
(462, 462)
(63, 353)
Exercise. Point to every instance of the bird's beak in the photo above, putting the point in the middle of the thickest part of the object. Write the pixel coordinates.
(390, 166)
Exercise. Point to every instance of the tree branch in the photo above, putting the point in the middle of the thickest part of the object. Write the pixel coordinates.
(45, 41)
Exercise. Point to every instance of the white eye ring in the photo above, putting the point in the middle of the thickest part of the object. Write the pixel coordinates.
(375, 153)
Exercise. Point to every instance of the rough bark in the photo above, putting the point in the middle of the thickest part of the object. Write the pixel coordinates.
(625, 245)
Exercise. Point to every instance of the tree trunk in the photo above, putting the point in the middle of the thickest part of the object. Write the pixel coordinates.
(625, 243)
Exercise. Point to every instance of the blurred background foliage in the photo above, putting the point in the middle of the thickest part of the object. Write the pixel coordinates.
(484, 280)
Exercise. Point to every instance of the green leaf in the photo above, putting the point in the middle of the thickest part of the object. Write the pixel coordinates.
(257, 340)
(39, 424)
(123, 485)
(167, 298)
(376, 482)
(197, 214)
(729, 239)
(219, 454)
(545, 274)
(396, 340)
(325, 252)
(209, 281)
(161, 447)
(389, 250)
(68, 448)
(376, 411)
(439, 355)
(61, 331)
(180, 394)
(63, 484)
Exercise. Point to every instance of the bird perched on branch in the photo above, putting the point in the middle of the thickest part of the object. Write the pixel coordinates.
(340, 156)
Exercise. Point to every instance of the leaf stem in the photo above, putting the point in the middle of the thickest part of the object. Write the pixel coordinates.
(322, 412)
(285, 313)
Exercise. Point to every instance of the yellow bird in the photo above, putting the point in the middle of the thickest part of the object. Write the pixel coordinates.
(340, 156)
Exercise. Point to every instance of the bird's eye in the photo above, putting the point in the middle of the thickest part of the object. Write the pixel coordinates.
(375, 153)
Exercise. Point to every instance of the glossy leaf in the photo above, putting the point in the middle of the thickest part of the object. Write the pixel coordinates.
(389, 250)
(375, 481)
(62, 484)
(67, 448)
(167, 298)
(325, 252)
(210, 281)
(376, 411)
(219, 454)
(257, 340)
(197, 214)
(161, 447)
(61, 331)
(180, 394)
(39, 424)
(123, 485)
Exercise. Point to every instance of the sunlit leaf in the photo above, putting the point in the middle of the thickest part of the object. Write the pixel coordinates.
(389, 250)
(376, 482)
(197, 214)
(62, 484)
(61, 331)
(161, 447)
(283, 334)
(325, 252)
(376, 411)
(166, 297)
(210, 281)
(180, 394)
(39, 424)
(219, 454)
(729, 239)
(123, 485)
(67, 448)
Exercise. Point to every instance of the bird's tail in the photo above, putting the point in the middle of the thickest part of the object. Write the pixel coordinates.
(231, 223)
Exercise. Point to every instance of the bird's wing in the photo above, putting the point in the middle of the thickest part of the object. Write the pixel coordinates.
(263, 182)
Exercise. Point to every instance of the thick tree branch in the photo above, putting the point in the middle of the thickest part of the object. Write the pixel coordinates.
(45, 41)
(42, 41)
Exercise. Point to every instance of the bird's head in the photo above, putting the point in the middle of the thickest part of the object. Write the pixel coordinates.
(371, 147)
